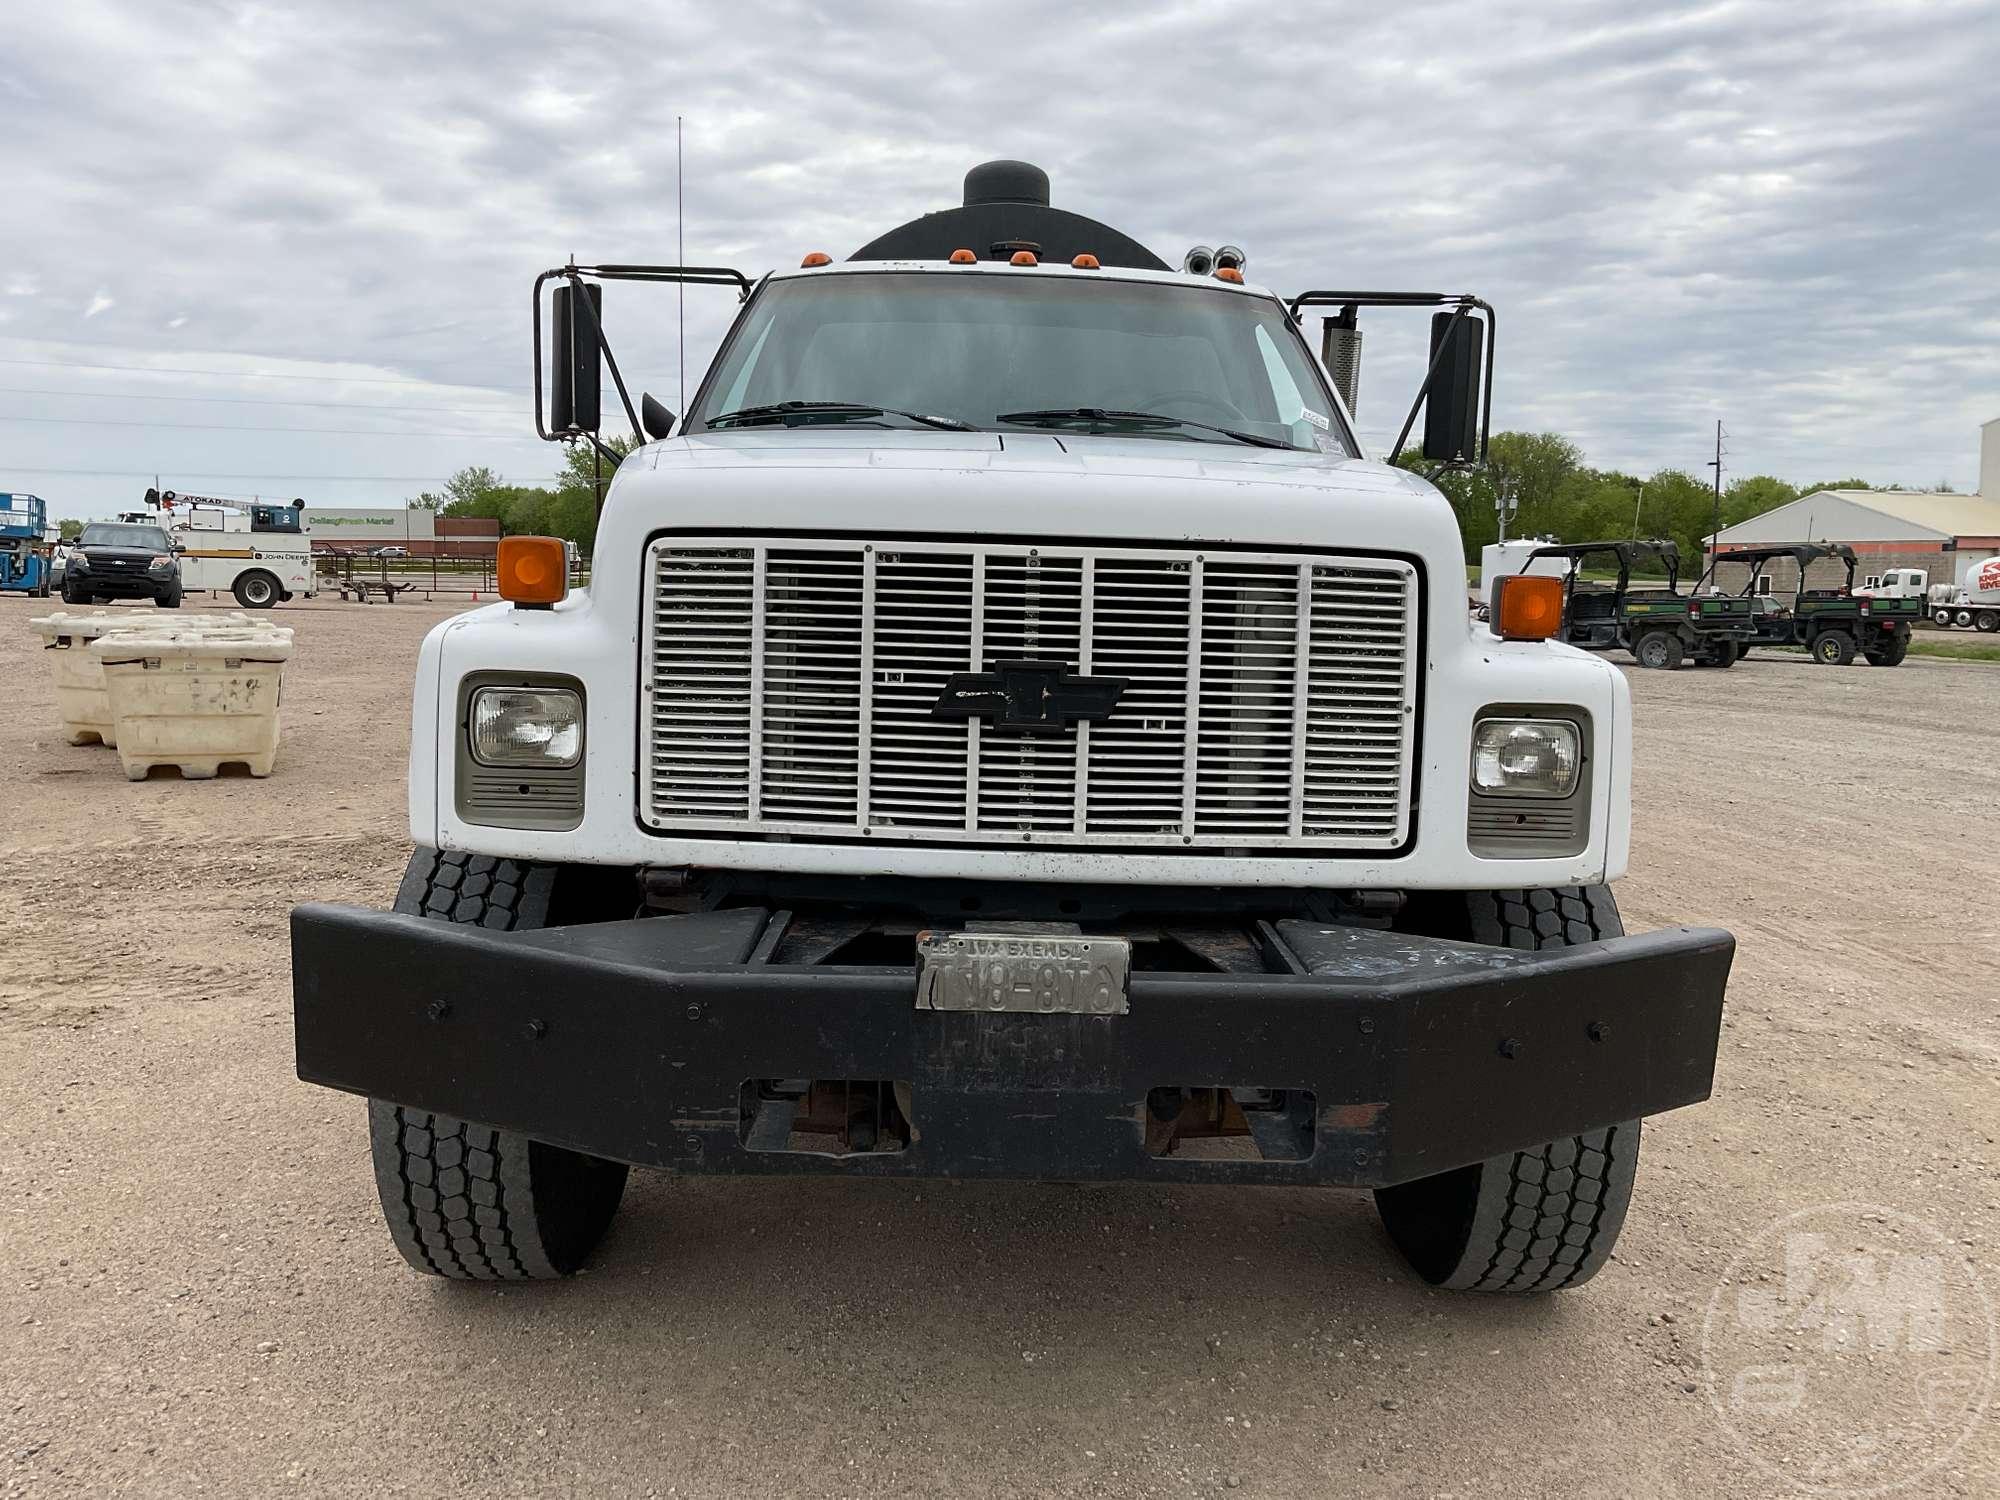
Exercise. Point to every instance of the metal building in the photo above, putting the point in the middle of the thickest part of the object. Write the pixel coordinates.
(1945, 535)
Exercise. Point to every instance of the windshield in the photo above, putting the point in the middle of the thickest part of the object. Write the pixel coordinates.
(1021, 353)
(105, 534)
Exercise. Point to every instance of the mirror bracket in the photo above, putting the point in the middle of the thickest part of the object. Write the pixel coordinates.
(584, 323)
(1452, 342)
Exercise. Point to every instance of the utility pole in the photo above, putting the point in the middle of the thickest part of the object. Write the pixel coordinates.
(1638, 501)
(1715, 526)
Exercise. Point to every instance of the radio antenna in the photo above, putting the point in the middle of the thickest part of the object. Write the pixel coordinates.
(680, 255)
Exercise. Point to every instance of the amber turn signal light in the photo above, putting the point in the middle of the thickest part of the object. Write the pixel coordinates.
(1024, 258)
(963, 258)
(532, 569)
(1526, 607)
(817, 258)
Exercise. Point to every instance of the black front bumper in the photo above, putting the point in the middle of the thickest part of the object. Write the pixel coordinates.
(120, 585)
(635, 1040)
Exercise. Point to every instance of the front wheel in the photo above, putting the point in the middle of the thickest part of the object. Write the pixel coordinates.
(1659, 649)
(463, 1200)
(1833, 648)
(256, 590)
(1539, 1220)
(168, 598)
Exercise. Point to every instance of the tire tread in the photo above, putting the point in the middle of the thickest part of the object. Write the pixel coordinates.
(466, 1201)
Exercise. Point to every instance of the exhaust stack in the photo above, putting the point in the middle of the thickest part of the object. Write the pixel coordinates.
(1340, 352)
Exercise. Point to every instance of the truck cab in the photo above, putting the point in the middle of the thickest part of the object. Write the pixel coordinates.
(1014, 727)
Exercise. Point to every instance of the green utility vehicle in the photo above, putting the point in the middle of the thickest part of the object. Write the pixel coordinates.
(1834, 624)
(1660, 626)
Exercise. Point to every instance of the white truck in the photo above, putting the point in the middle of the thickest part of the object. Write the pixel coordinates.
(260, 552)
(1971, 604)
(1014, 728)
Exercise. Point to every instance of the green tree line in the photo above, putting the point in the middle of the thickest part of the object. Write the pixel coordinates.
(568, 509)
(1561, 495)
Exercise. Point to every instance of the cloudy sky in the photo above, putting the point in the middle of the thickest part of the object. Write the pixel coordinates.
(286, 248)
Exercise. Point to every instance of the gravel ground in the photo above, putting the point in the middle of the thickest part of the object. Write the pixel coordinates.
(197, 1295)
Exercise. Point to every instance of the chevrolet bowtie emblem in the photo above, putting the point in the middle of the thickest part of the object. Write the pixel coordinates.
(1028, 697)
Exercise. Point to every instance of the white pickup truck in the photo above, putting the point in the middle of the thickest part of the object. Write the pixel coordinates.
(1014, 728)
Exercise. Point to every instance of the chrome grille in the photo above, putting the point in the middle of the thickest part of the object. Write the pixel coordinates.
(789, 683)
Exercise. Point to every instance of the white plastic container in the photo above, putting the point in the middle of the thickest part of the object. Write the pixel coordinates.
(197, 699)
(79, 680)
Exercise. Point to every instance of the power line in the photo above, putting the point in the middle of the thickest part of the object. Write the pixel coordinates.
(69, 364)
(319, 478)
(238, 427)
(462, 411)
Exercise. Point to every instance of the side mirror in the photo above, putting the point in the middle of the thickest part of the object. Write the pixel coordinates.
(574, 391)
(1451, 408)
(655, 418)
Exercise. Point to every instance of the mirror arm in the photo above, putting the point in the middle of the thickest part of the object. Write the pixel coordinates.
(535, 301)
(1444, 343)
(1486, 398)
(605, 451)
(582, 301)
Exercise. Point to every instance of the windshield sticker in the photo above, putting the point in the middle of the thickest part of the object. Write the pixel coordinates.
(1326, 442)
(1324, 424)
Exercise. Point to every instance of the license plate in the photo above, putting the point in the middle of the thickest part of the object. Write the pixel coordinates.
(1023, 970)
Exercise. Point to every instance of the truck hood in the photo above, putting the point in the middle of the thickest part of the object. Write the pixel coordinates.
(1029, 484)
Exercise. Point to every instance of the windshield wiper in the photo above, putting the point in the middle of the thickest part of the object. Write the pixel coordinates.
(810, 411)
(1098, 416)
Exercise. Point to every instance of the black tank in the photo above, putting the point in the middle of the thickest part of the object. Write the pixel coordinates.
(1006, 209)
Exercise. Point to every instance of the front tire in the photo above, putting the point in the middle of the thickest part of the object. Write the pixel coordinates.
(1833, 648)
(463, 1200)
(1540, 1220)
(169, 598)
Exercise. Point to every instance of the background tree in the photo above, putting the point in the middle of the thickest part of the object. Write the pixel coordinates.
(569, 510)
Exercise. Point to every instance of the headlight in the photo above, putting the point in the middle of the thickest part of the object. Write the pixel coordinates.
(160, 564)
(1525, 757)
(527, 726)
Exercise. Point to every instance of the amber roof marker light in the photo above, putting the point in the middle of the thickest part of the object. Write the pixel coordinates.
(816, 258)
(1084, 262)
(1024, 258)
(1231, 275)
(964, 258)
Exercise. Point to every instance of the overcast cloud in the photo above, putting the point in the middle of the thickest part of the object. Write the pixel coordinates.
(1786, 216)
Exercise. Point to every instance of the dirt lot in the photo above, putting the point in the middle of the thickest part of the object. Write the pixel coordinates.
(197, 1295)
